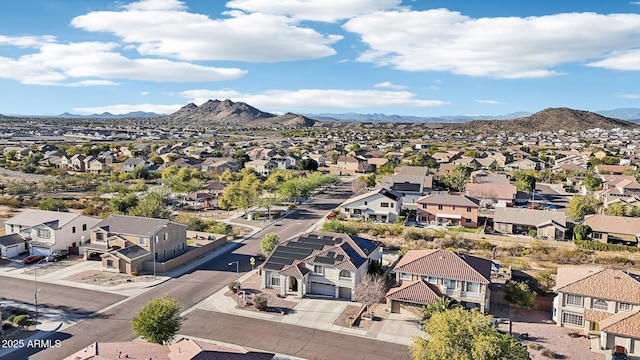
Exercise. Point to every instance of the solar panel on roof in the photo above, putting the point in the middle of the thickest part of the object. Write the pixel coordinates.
(323, 260)
(339, 257)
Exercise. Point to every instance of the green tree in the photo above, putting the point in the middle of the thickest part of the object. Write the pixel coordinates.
(308, 164)
(241, 157)
(580, 206)
(519, 294)
(457, 178)
(616, 209)
(546, 279)
(581, 231)
(269, 243)
(334, 157)
(158, 321)
(465, 335)
(52, 204)
(153, 205)
(592, 182)
(11, 155)
(443, 304)
(123, 202)
(140, 172)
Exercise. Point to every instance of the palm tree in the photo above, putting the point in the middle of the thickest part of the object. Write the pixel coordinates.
(443, 304)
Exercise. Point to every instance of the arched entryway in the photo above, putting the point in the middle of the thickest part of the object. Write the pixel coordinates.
(293, 284)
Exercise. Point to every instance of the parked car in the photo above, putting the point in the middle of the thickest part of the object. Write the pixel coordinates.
(32, 259)
(59, 254)
(619, 353)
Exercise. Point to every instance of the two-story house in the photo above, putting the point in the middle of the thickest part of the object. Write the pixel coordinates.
(320, 263)
(603, 302)
(48, 231)
(427, 275)
(378, 205)
(129, 244)
(455, 210)
(262, 167)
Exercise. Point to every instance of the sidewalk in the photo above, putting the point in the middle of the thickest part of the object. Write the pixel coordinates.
(316, 314)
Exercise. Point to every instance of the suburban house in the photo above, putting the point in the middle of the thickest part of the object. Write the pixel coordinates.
(614, 229)
(492, 194)
(183, 349)
(378, 205)
(320, 263)
(131, 163)
(548, 225)
(524, 164)
(427, 275)
(48, 231)
(219, 165)
(262, 167)
(411, 182)
(125, 243)
(12, 245)
(351, 164)
(602, 302)
(454, 210)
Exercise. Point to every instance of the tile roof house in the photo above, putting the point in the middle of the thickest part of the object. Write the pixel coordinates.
(411, 182)
(320, 263)
(549, 225)
(603, 302)
(48, 231)
(427, 275)
(455, 210)
(126, 243)
(377, 205)
(614, 229)
(492, 194)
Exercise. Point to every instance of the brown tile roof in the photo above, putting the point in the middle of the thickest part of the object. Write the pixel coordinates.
(446, 199)
(613, 224)
(596, 315)
(491, 191)
(606, 284)
(445, 264)
(623, 323)
(418, 292)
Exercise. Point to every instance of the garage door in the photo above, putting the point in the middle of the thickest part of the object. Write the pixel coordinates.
(408, 309)
(11, 251)
(40, 251)
(323, 289)
(344, 293)
(635, 346)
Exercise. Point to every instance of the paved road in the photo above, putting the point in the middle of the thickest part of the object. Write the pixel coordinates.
(194, 286)
(288, 339)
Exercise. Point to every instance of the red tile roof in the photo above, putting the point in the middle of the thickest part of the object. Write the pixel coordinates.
(606, 284)
(445, 264)
(418, 292)
(623, 323)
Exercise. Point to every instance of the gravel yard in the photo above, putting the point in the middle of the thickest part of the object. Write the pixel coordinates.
(104, 278)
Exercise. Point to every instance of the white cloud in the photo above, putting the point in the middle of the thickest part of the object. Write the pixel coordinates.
(389, 85)
(490, 102)
(163, 28)
(285, 100)
(92, 83)
(58, 64)
(502, 47)
(620, 60)
(26, 41)
(630, 96)
(316, 10)
(144, 93)
(127, 108)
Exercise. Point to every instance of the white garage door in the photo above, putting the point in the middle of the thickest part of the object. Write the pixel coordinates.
(11, 251)
(40, 251)
(323, 289)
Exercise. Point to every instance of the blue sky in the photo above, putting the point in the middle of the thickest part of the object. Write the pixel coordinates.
(421, 57)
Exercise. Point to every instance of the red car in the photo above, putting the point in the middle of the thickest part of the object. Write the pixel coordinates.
(32, 259)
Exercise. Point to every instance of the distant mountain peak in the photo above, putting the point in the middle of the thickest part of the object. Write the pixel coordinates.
(220, 111)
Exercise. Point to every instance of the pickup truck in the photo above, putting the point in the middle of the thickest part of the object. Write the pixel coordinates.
(58, 254)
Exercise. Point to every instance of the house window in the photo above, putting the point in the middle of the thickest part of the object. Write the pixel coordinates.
(424, 206)
(345, 274)
(439, 207)
(599, 304)
(405, 276)
(468, 221)
(143, 241)
(624, 307)
(449, 283)
(473, 287)
(318, 269)
(454, 207)
(180, 246)
(384, 204)
(110, 264)
(365, 203)
(165, 237)
(73, 230)
(275, 281)
(43, 233)
(155, 238)
(432, 279)
(100, 236)
(572, 319)
(596, 235)
(468, 208)
(573, 300)
(84, 227)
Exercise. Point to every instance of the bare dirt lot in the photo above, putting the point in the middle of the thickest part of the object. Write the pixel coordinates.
(102, 278)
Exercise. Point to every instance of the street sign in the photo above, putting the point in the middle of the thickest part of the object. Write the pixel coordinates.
(252, 261)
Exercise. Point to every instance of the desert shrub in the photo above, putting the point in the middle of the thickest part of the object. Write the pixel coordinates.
(483, 245)
(600, 246)
(515, 263)
(10, 318)
(569, 256)
(400, 219)
(548, 353)
(514, 250)
(535, 346)
(234, 286)
(339, 227)
(455, 243)
(260, 301)
(22, 320)
(403, 251)
(7, 326)
(615, 260)
(533, 233)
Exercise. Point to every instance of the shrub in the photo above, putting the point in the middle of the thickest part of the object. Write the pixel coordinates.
(535, 346)
(260, 301)
(533, 233)
(10, 318)
(600, 246)
(548, 353)
(234, 286)
(7, 326)
(483, 245)
(22, 320)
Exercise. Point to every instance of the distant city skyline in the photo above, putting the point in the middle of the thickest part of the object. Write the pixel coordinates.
(409, 58)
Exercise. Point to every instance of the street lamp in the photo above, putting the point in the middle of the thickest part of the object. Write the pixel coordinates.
(35, 282)
(237, 266)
